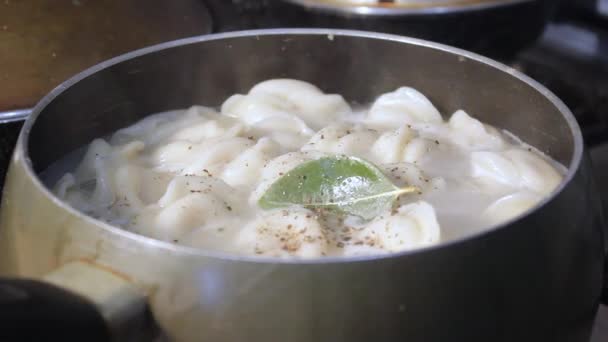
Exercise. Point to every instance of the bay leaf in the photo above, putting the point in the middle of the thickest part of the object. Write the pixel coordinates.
(341, 184)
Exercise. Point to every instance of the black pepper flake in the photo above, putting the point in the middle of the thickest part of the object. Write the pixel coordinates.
(207, 172)
(289, 226)
(437, 142)
(175, 240)
(322, 136)
(229, 208)
(340, 245)
(281, 173)
(250, 137)
(189, 147)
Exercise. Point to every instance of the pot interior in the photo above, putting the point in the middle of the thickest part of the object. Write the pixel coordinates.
(359, 66)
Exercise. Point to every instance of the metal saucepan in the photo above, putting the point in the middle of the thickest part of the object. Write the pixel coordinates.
(536, 278)
(496, 28)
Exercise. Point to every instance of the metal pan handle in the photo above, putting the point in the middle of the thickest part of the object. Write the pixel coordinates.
(79, 301)
(14, 115)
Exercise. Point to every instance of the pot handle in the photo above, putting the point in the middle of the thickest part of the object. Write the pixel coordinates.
(14, 115)
(79, 301)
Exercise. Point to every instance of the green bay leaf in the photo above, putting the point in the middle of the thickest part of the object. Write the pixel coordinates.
(340, 184)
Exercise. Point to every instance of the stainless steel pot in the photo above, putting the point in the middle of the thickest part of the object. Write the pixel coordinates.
(535, 278)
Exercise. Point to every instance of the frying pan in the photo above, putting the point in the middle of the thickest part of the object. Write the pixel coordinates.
(495, 28)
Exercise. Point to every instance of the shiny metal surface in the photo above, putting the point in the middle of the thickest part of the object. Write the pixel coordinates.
(498, 29)
(537, 278)
(14, 115)
(413, 7)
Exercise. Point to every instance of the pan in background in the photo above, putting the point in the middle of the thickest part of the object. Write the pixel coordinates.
(496, 28)
(49, 41)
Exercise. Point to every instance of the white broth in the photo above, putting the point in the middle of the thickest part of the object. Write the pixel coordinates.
(194, 177)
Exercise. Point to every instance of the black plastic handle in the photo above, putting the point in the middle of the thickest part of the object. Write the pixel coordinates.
(36, 311)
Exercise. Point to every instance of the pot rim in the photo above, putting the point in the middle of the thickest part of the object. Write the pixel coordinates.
(437, 8)
(21, 150)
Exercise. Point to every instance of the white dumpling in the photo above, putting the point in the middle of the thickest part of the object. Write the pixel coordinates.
(413, 226)
(173, 156)
(128, 184)
(98, 169)
(417, 149)
(280, 233)
(290, 133)
(390, 146)
(404, 174)
(63, 185)
(344, 139)
(515, 168)
(215, 155)
(472, 134)
(244, 170)
(403, 106)
(536, 173)
(189, 203)
(510, 206)
(308, 102)
(131, 150)
(255, 109)
(218, 126)
(493, 169)
(98, 150)
(182, 186)
(187, 213)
